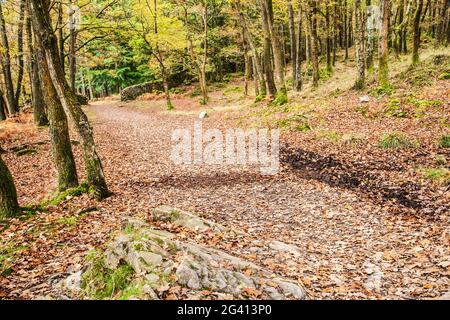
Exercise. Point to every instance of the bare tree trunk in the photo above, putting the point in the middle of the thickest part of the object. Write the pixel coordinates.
(5, 60)
(359, 43)
(37, 97)
(246, 63)
(328, 37)
(267, 55)
(346, 42)
(72, 51)
(2, 107)
(416, 31)
(276, 46)
(59, 23)
(312, 19)
(383, 72)
(20, 63)
(44, 31)
(203, 84)
(293, 41)
(9, 206)
(298, 83)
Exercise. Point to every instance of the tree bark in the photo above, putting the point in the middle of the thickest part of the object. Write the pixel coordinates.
(359, 44)
(416, 32)
(298, 83)
(2, 107)
(314, 50)
(383, 69)
(93, 165)
(276, 45)
(9, 206)
(293, 41)
(72, 50)
(37, 97)
(267, 54)
(20, 63)
(5, 60)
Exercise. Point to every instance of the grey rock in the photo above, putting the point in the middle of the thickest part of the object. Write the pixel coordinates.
(187, 276)
(281, 246)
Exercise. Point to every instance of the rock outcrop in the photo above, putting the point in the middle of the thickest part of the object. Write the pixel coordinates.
(146, 263)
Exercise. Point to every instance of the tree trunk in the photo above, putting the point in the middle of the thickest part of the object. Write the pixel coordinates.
(5, 60)
(72, 51)
(346, 42)
(58, 127)
(314, 50)
(20, 51)
(383, 70)
(370, 35)
(37, 97)
(9, 206)
(416, 31)
(276, 45)
(298, 83)
(267, 55)
(328, 37)
(2, 107)
(203, 84)
(359, 44)
(293, 41)
(43, 29)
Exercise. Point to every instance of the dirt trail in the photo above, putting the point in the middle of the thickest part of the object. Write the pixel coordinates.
(350, 247)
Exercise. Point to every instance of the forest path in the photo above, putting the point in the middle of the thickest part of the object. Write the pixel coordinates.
(350, 247)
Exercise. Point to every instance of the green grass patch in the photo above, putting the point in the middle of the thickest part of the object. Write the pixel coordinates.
(396, 141)
(444, 75)
(395, 108)
(281, 98)
(101, 282)
(8, 253)
(232, 90)
(68, 221)
(438, 175)
(444, 141)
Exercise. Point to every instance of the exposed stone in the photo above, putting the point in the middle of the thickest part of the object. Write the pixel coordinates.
(281, 246)
(132, 92)
(184, 219)
(364, 99)
(72, 283)
(160, 261)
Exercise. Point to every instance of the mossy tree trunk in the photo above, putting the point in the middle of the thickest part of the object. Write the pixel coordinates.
(359, 44)
(58, 128)
(9, 206)
(416, 32)
(93, 166)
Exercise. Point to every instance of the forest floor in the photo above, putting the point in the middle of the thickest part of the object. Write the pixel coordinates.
(369, 222)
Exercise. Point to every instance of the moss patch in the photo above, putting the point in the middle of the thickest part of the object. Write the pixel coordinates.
(101, 282)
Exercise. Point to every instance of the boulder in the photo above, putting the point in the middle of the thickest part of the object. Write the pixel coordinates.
(132, 92)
